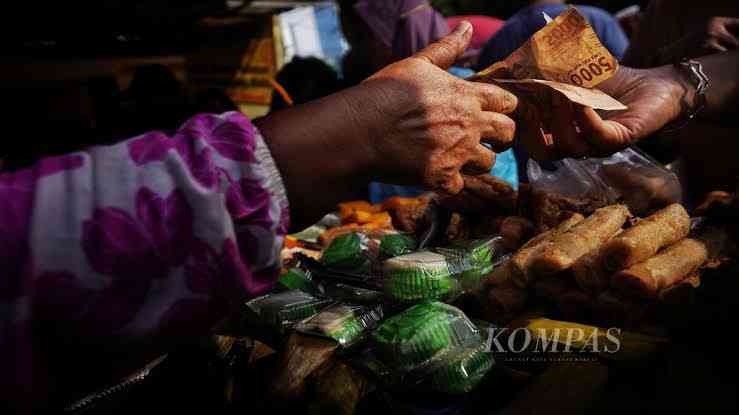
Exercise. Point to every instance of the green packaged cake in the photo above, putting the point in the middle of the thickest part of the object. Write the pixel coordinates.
(472, 260)
(463, 372)
(396, 245)
(347, 252)
(296, 279)
(421, 336)
(420, 276)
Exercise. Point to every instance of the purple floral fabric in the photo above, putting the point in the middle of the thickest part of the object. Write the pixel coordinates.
(152, 238)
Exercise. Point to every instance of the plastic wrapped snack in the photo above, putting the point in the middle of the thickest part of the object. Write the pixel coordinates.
(464, 372)
(346, 324)
(349, 251)
(284, 309)
(421, 276)
(479, 259)
(423, 336)
(351, 294)
(397, 245)
(297, 279)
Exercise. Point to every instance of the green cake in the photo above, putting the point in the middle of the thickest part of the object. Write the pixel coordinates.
(420, 276)
(462, 373)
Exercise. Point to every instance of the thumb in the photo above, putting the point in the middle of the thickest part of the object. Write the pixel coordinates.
(447, 50)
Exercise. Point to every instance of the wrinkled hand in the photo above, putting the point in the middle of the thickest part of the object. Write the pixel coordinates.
(654, 97)
(429, 125)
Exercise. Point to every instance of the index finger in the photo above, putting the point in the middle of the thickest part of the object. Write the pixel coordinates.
(606, 136)
(494, 98)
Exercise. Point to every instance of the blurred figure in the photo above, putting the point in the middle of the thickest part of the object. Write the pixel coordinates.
(485, 28)
(304, 80)
(707, 150)
(381, 32)
(519, 28)
(629, 19)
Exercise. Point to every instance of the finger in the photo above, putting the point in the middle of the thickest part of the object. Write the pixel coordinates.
(726, 38)
(605, 136)
(480, 162)
(713, 46)
(454, 185)
(444, 52)
(731, 25)
(538, 144)
(496, 99)
(498, 130)
(567, 138)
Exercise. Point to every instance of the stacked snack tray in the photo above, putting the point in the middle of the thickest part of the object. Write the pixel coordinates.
(464, 371)
(347, 252)
(421, 276)
(347, 324)
(423, 336)
(350, 294)
(286, 308)
(297, 279)
(396, 245)
(476, 258)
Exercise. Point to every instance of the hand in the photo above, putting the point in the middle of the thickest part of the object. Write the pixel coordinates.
(654, 97)
(427, 124)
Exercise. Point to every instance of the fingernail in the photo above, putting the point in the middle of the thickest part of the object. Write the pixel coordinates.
(463, 27)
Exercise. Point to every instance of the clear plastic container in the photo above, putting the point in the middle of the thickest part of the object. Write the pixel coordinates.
(346, 324)
(420, 338)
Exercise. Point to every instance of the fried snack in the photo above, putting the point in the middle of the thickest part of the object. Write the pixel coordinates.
(515, 230)
(501, 275)
(409, 215)
(644, 189)
(681, 293)
(349, 209)
(522, 276)
(585, 237)
(551, 288)
(547, 209)
(646, 238)
(483, 194)
(674, 264)
(575, 305)
(589, 273)
(609, 309)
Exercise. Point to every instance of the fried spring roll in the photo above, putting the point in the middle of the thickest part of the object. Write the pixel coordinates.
(522, 276)
(646, 238)
(681, 293)
(551, 288)
(575, 305)
(504, 302)
(587, 236)
(589, 273)
(674, 264)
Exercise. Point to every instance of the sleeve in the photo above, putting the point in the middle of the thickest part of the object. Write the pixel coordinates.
(152, 237)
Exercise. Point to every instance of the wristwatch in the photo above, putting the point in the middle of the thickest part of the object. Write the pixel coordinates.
(693, 71)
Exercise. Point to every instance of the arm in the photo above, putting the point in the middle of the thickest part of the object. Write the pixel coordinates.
(411, 123)
(655, 97)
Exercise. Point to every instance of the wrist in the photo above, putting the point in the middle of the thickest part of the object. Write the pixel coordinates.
(682, 90)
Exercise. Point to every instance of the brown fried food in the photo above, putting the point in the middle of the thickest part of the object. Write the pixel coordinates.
(547, 209)
(646, 238)
(643, 189)
(409, 214)
(683, 292)
(515, 230)
(587, 236)
(589, 273)
(714, 201)
(504, 302)
(483, 195)
(674, 264)
(522, 275)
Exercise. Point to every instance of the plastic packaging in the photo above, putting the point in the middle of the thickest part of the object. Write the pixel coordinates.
(641, 182)
(422, 276)
(440, 273)
(397, 245)
(297, 279)
(424, 337)
(462, 373)
(346, 324)
(349, 251)
(351, 294)
(282, 310)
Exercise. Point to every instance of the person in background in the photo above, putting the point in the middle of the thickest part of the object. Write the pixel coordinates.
(385, 31)
(678, 31)
(519, 28)
(485, 28)
(304, 80)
